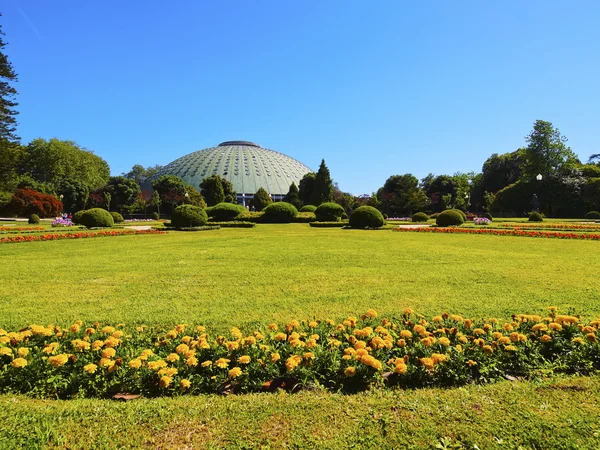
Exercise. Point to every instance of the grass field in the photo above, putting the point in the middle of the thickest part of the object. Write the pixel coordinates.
(243, 277)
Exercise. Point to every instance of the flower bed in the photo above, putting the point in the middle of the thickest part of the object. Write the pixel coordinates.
(95, 360)
(497, 232)
(481, 221)
(557, 226)
(57, 236)
(12, 229)
(62, 223)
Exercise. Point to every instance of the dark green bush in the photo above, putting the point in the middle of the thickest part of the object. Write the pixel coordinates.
(420, 217)
(488, 216)
(208, 210)
(76, 219)
(97, 218)
(280, 212)
(118, 218)
(155, 216)
(345, 216)
(249, 216)
(305, 217)
(188, 216)
(327, 224)
(450, 217)
(385, 216)
(329, 212)
(34, 219)
(536, 217)
(593, 215)
(463, 215)
(366, 217)
(226, 212)
(434, 215)
(308, 208)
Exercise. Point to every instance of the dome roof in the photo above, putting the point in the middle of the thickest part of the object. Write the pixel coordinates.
(245, 164)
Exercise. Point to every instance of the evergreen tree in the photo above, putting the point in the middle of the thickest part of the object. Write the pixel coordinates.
(212, 190)
(8, 121)
(261, 199)
(293, 197)
(323, 191)
(306, 188)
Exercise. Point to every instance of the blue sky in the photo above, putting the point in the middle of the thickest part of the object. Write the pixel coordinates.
(375, 88)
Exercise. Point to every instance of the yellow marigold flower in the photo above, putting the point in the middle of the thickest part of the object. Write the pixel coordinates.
(350, 371)
(145, 354)
(309, 355)
(577, 340)
(378, 343)
(23, 351)
(112, 342)
(80, 345)
(135, 364)
(294, 324)
(97, 345)
(165, 381)
(275, 357)
(546, 338)
(232, 345)
(468, 323)
(264, 348)
(171, 334)
(349, 351)
(591, 337)
(108, 353)
(311, 343)
(250, 340)
(58, 360)
(75, 328)
(180, 328)
(105, 362)
(185, 384)
(90, 368)
(292, 362)
(281, 337)
(400, 368)
(506, 340)
(172, 357)
(567, 319)
(522, 338)
(539, 327)
(555, 326)
(420, 329)
(428, 363)
(463, 339)
(273, 327)
(508, 327)
(361, 352)
(487, 349)
(360, 344)
(471, 363)
(456, 318)
(236, 333)
(259, 336)
(347, 357)
(222, 363)
(428, 341)
(352, 339)
(372, 313)
(401, 343)
(191, 361)
(108, 330)
(182, 348)
(157, 365)
(50, 348)
(510, 348)
(206, 364)
(478, 331)
(444, 341)
(487, 327)
(19, 362)
(245, 359)
(168, 371)
(459, 348)
(408, 311)
(313, 324)
(370, 361)
(406, 334)
(5, 351)
(588, 329)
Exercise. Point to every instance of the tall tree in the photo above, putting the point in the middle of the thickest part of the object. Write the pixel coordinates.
(171, 190)
(123, 192)
(501, 170)
(306, 188)
(8, 121)
(401, 195)
(141, 174)
(212, 190)
(292, 196)
(546, 151)
(323, 191)
(261, 199)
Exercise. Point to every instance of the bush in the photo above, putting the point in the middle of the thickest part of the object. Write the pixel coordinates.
(420, 217)
(329, 212)
(155, 216)
(308, 208)
(249, 216)
(76, 219)
(25, 202)
(366, 217)
(450, 217)
(226, 212)
(593, 215)
(305, 217)
(97, 218)
(385, 216)
(118, 218)
(34, 219)
(536, 217)
(434, 215)
(488, 216)
(344, 216)
(280, 212)
(235, 224)
(188, 216)
(463, 215)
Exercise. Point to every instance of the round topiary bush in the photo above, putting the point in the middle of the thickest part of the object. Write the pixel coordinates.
(225, 212)
(329, 212)
(155, 216)
(344, 216)
(34, 219)
(308, 208)
(593, 215)
(279, 212)
(76, 219)
(488, 216)
(434, 215)
(118, 218)
(188, 216)
(97, 218)
(448, 218)
(536, 217)
(463, 215)
(366, 217)
(420, 217)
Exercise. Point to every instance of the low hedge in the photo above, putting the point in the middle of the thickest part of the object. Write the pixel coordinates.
(308, 208)
(233, 224)
(76, 219)
(595, 215)
(97, 218)
(188, 216)
(328, 224)
(329, 212)
(34, 219)
(420, 217)
(449, 217)
(305, 217)
(118, 218)
(250, 216)
(168, 226)
(155, 216)
(366, 217)
(462, 213)
(225, 212)
(536, 217)
(280, 212)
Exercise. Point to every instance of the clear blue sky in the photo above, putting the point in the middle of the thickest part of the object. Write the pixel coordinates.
(375, 87)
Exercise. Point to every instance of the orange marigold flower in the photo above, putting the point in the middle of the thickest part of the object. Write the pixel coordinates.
(275, 357)
(408, 311)
(370, 361)
(135, 363)
(75, 328)
(108, 353)
(444, 341)
(292, 362)
(372, 313)
(487, 349)
(591, 337)
(360, 344)
(172, 357)
(546, 338)
(428, 363)
(58, 360)
(19, 362)
(350, 371)
(420, 329)
(539, 327)
(400, 368)
(438, 358)
(245, 359)
(281, 337)
(401, 343)
(478, 331)
(165, 381)
(555, 326)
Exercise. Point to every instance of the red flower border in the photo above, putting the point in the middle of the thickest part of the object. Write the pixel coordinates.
(513, 232)
(93, 234)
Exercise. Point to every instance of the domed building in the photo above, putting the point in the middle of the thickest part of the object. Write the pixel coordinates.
(245, 164)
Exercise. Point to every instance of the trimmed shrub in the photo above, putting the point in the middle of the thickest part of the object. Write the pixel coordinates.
(188, 216)
(420, 217)
(225, 212)
(463, 215)
(280, 212)
(434, 215)
(25, 202)
(536, 217)
(329, 212)
(118, 218)
(97, 218)
(366, 217)
(344, 216)
(305, 217)
(593, 215)
(236, 224)
(308, 208)
(488, 216)
(34, 219)
(155, 216)
(76, 219)
(249, 216)
(327, 224)
(450, 217)
(385, 216)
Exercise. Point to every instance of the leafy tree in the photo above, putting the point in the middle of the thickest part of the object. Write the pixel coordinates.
(323, 190)
(172, 191)
(261, 199)
(75, 195)
(546, 152)
(123, 191)
(141, 174)
(107, 198)
(212, 190)
(594, 159)
(439, 188)
(344, 199)
(401, 195)
(156, 201)
(11, 154)
(194, 197)
(306, 188)
(501, 170)
(292, 197)
(8, 121)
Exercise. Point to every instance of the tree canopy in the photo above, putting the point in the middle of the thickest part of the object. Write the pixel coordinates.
(8, 93)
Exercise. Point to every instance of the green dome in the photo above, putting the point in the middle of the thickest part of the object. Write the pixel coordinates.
(245, 164)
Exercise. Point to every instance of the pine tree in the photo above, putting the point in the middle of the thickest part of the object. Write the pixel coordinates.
(306, 188)
(292, 196)
(212, 190)
(8, 121)
(261, 199)
(323, 191)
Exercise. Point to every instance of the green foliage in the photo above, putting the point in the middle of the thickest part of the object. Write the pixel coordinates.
(76, 219)
(420, 217)
(488, 216)
(449, 217)
(279, 212)
(593, 215)
(11, 154)
(536, 217)
(194, 197)
(123, 191)
(344, 216)
(155, 216)
(366, 217)
(308, 208)
(97, 218)
(305, 217)
(546, 152)
(249, 216)
(306, 188)
(118, 218)
(329, 212)
(323, 188)
(171, 192)
(234, 224)
(212, 190)
(463, 215)
(34, 219)
(140, 174)
(261, 199)
(500, 171)
(75, 195)
(226, 212)
(8, 93)
(188, 216)
(316, 224)
(293, 197)
(401, 195)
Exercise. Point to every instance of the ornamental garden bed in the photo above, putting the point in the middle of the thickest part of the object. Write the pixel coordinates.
(73, 235)
(502, 232)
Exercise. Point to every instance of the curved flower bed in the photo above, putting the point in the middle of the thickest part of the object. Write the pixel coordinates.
(95, 360)
(497, 232)
(83, 235)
